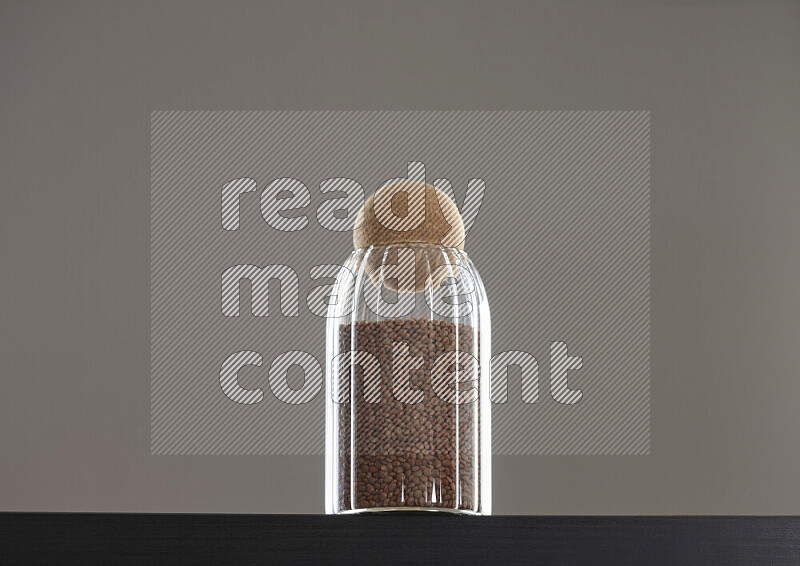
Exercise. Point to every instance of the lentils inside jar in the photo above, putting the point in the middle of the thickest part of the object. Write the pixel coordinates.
(414, 452)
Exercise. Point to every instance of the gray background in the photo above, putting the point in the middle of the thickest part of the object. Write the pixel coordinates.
(80, 79)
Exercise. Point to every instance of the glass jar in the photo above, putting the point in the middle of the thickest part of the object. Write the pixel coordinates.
(408, 383)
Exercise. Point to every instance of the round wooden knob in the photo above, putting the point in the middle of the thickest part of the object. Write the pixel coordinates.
(416, 214)
(408, 211)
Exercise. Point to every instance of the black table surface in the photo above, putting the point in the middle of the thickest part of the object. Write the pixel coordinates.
(32, 538)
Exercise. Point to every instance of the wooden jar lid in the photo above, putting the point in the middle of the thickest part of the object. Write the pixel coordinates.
(409, 212)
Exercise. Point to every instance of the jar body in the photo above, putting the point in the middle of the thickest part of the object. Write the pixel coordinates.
(408, 383)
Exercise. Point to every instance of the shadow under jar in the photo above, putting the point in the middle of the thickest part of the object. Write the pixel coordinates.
(408, 350)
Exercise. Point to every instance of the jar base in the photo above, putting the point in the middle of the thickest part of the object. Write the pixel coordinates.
(446, 510)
